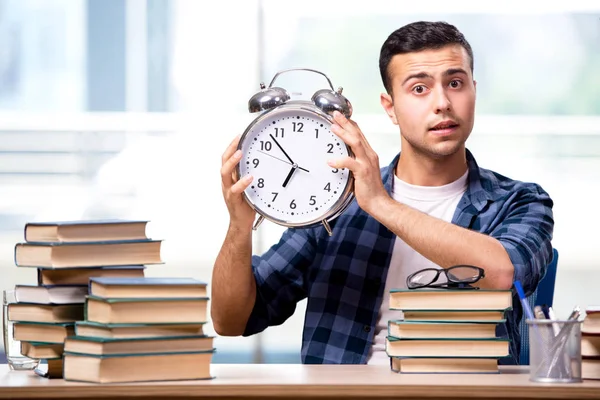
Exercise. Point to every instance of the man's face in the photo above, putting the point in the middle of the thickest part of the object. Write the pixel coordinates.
(432, 100)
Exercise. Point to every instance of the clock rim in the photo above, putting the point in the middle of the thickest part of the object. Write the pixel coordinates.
(343, 201)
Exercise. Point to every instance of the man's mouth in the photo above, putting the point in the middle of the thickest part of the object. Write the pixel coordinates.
(444, 125)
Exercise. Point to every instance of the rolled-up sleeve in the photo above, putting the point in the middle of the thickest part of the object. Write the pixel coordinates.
(281, 282)
(526, 233)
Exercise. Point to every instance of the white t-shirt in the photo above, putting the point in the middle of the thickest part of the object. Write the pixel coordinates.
(437, 201)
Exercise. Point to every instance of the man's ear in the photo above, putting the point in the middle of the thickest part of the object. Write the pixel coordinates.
(388, 105)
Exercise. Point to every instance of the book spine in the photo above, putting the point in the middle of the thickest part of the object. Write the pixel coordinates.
(15, 254)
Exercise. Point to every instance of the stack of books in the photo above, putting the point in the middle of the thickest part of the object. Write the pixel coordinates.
(66, 255)
(141, 329)
(447, 331)
(590, 343)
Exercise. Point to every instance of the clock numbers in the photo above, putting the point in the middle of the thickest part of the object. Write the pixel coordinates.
(266, 145)
(279, 130)
(293, 148)
(298, 126)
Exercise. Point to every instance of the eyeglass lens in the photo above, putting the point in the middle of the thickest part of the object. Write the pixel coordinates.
(424, 277)
(463, 273)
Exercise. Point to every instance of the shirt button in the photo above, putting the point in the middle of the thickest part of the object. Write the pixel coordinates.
(367, 328)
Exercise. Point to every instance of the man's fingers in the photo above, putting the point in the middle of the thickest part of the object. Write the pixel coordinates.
(351, 127)
(346, 162)
(229, 166)
(230, 149)
(344, 122)
(242, 184)
(351, 139)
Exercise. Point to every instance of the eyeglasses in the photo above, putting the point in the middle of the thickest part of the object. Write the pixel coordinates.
(457, 277)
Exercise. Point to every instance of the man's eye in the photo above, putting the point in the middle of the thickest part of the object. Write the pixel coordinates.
(455, 84)
(420, 89)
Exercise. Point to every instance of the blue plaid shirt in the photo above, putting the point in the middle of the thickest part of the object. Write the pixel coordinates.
(343, 276)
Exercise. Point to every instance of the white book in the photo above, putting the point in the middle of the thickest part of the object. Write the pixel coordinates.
(50, 294)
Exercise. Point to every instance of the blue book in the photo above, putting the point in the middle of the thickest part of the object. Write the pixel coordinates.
(85, 230)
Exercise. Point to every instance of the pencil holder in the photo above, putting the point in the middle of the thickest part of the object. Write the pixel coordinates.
(554, 350)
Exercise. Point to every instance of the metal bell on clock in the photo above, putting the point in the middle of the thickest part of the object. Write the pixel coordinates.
(267, 98)
(330, 101)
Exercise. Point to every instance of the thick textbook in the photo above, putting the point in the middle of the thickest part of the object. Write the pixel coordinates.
(87, 254)
(147, 287)
(85, 230)
(167, 366)
(443, 299)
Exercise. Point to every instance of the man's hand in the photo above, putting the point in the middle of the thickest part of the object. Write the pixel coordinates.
(368, 187)
(241, 215)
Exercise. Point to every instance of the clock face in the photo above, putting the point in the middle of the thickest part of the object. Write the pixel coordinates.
(286, 151)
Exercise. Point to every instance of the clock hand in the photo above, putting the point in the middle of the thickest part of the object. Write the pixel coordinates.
(289, 175)
(277, 158)
(278, 145)
(280, 159)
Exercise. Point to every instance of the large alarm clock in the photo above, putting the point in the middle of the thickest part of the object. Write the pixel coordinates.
(286, 149)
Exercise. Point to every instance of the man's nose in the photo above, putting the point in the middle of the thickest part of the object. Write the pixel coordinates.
(441, 101)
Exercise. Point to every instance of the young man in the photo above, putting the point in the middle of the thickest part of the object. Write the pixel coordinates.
(432, 206)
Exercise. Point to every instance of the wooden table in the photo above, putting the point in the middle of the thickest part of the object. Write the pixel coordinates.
(296, 381)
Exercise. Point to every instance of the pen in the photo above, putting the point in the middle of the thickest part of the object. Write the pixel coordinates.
(575, 313)
(539, 340)
(524, 303)
(552, 317)
(545, 310)
(539, 314)
(557, 349)
(543, 331)
(566, 329)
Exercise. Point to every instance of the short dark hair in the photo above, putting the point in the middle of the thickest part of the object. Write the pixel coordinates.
(418, 36)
